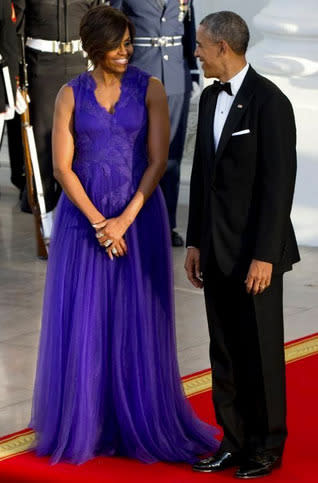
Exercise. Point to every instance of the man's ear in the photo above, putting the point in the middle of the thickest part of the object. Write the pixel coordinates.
(224, 47)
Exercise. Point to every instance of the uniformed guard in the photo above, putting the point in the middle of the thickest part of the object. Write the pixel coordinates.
(8, 54)
(9, 40)
(54, 55)
(164, 46)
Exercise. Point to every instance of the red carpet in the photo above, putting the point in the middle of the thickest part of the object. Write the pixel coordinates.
(300, 459)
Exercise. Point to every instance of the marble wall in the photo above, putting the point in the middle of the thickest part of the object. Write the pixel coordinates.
(246, 8)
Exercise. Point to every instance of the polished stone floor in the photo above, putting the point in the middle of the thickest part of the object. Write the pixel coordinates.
(21, 286)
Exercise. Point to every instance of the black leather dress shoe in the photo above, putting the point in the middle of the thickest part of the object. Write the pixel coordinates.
(24, 203)
(218, 462)
(176, 239)
(261, 464)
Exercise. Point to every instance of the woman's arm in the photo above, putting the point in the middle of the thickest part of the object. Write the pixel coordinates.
(63, 152)
(158, 147)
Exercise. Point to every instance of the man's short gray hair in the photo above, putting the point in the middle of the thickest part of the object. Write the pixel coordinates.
(230, 27)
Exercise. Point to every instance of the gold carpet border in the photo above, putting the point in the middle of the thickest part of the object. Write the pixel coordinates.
(295, 351)
(301, 349)
(193, 386)
(16, 445)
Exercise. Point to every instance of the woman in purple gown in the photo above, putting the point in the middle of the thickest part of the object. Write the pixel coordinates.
(107, 378)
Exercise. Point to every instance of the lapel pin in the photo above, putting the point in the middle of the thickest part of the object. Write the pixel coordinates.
(240, 106)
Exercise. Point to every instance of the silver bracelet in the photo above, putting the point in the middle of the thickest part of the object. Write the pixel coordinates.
(94, 225)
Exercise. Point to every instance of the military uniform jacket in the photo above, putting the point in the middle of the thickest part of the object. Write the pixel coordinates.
(159, 18)
(51, 19)
(8, 47)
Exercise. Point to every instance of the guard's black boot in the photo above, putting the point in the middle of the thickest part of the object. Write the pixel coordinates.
(176, 239)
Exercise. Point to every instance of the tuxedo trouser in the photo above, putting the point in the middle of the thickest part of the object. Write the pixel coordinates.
(47, 73)
(247, 358)
(170, 183)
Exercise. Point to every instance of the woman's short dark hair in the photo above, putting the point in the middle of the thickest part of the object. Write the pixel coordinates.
(102, 29)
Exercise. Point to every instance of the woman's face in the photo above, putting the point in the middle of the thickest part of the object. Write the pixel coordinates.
(116, 61)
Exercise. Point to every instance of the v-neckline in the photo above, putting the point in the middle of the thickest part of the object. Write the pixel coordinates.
(115, 106)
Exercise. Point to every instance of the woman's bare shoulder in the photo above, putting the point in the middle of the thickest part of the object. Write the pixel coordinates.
(65, 98)
(156, 90)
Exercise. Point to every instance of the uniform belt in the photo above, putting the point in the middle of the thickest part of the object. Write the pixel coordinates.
(164, 41)
(54, 46)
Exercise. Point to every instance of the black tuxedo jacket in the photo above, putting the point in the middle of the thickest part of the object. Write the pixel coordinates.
(241, 195)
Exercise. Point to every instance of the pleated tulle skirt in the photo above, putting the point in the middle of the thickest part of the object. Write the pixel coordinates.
(107, 379)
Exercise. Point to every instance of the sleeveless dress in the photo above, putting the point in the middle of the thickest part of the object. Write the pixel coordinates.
(107, 379)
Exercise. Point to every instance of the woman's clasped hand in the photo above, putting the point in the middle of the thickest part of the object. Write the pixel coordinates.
(110, 235)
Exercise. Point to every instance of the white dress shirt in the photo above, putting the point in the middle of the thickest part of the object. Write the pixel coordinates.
(224, 104)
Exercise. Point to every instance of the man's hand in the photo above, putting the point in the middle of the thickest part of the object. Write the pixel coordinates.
(259, 277)
(192, 267)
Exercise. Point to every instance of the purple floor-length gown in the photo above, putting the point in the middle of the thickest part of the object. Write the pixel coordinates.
(107, 378)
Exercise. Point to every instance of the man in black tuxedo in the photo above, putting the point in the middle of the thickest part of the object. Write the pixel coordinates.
(240, 242)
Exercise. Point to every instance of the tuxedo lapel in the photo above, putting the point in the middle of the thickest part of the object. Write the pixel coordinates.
(237, 110)
(207, 129)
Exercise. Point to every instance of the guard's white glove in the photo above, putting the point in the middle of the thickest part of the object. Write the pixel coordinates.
(4, 116)
(1, 124)
(20, 107)
(20, 104)
(196, 90)
(8, 113)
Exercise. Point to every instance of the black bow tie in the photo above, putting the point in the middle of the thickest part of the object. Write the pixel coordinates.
(217, 87)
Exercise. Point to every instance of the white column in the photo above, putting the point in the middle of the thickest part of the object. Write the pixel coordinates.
(288, 55)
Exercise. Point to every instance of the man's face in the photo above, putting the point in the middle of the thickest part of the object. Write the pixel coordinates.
(209, 53)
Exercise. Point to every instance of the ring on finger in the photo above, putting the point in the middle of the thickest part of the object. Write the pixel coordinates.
(100, 234)
(114, 251)
(108, 243)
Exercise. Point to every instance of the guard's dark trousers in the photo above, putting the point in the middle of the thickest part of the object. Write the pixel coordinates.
(16, 154)
(170, 183)
(47, 73)
(247, 358)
